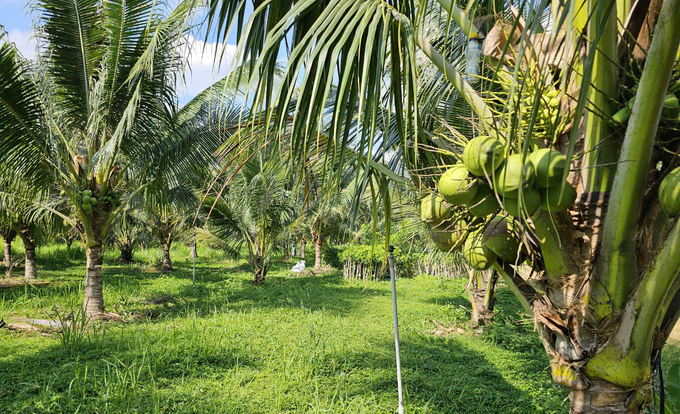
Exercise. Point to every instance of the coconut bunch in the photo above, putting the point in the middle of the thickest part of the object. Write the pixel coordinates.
(482, 200)
(86, 201)
(483, 241)
(488, 181)
(552, 117)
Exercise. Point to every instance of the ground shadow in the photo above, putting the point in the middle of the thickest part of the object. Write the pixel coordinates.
(446, 376)
(116, 361)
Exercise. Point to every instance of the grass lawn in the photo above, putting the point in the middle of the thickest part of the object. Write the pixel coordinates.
(297, 344)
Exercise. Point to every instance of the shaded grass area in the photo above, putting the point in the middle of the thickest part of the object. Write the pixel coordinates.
(306, 344)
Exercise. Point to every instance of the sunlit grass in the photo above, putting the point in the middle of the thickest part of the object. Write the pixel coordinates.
(298, 344)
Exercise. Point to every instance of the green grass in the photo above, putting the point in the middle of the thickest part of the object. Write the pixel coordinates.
(312, 344)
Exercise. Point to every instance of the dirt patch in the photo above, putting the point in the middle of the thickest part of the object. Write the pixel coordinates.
(160, 300)
(445, 331)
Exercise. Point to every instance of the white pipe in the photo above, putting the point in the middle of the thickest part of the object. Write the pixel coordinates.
(393, 277)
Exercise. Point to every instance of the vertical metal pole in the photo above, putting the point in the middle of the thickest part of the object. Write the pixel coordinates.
(193, 254)
(393, 276)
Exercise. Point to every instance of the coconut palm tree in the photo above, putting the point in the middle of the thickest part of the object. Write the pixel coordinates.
(169, 217)
(127, 234)
(81, 117)
(30, 223)
(254, 210)
(602, 287)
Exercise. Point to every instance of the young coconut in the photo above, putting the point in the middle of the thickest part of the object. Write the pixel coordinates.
(549, 165)
(551, 200)
(530, 202)
(475, 253)
(484, 202)
(449, 235)
(434, 210)
(457, 186)
(510, 176)
(483, 154)
(502, 236)
(671, 106)
(669, 193)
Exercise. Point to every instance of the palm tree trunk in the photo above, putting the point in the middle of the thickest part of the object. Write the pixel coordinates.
(94, 284)
(303, 246)
(167, 262)
(317, 239)
(260, 270)
(7, 260)
(125, 253)
(30, 265)
(27, 237)
(602, 398)
(482, 298)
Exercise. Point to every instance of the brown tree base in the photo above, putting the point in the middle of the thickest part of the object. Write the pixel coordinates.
(604, 398)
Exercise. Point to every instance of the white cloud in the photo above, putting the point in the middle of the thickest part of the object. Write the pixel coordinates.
(24, 41)
(203, 71)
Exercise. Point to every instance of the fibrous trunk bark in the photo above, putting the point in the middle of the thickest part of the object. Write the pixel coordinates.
(303, 247)
(167, 262)
(94, 284)
(126, 254)
(603, 398)
(30, 265)
(317, 239)
(260, 270)
(481, 313)
(482, 298)
(7, 259)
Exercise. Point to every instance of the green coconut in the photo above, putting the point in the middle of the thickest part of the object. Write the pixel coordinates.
(475, 253)
(551, 201)
(87, 193)
(669, 193)
(483, 154)
(550, 166)
(671, 106)
(531, 201)
(449, 236)
(457, 186)
(502, 236)
(434, 210)
(484, 202)
(509, 176)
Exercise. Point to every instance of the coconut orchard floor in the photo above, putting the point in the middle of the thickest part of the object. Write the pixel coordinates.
(306, 344)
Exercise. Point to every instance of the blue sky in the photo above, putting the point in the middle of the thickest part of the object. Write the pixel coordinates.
(17, 22)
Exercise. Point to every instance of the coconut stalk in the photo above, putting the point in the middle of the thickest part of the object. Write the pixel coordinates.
(600, 144)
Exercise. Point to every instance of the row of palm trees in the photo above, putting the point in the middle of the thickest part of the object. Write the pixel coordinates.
(95, 119)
